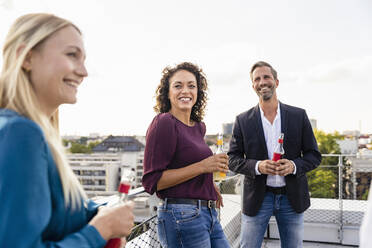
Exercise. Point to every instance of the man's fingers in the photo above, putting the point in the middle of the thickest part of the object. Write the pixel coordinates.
(270, 170)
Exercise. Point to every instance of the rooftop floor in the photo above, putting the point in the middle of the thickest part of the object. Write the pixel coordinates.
(273, 243)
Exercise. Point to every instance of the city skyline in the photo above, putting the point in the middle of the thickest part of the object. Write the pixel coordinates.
(321, 51)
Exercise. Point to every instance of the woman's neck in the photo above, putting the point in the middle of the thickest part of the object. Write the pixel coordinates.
(184, 117)
(47, 110)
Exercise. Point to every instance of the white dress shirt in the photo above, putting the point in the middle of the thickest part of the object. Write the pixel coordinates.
(272, 133)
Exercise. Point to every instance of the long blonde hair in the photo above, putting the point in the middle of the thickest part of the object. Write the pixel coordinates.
(16, 91)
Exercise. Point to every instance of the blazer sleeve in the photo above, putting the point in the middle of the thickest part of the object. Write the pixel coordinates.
(161, 142)
(237, 159)
(311, 156)
(25, 196)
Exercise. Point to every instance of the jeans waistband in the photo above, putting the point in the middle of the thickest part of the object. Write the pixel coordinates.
(276, 190)
(204, 203)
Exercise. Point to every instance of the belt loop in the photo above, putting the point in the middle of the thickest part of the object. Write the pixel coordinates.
(165, 202)
(199, 204)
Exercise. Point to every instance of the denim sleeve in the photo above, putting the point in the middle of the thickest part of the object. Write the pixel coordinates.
(25, 196)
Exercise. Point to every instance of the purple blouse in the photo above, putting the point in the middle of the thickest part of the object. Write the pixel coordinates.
(170, 144)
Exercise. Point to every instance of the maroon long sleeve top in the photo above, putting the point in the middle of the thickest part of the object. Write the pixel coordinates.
(170, 144)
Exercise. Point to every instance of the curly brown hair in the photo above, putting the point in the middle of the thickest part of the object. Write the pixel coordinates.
(163, 104)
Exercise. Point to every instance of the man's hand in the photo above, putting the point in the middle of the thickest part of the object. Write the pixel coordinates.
(268, 167)
(285, 167)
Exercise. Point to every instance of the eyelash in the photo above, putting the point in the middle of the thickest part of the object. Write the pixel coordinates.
(179, 86)
(72, 54)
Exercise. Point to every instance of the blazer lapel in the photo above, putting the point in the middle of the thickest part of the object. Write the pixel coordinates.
(259, 130)
(283, 119)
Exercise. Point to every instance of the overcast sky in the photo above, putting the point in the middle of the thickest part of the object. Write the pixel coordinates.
(322, 51)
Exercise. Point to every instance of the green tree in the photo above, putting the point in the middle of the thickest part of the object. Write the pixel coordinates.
(65, 142)
(327, 145)
(323, 180)
(83, 140)
(365, 195)
(323, 184)
(91, 145)
(79, 148)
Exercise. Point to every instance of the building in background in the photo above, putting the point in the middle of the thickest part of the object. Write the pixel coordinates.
(313, 123)
(100, 172)
(351, 133)
(227, 128)
(348, 146)
(362, 173)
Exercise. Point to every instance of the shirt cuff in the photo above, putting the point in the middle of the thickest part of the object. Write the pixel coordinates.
(93, 236)
(295, 168)
(256, 168)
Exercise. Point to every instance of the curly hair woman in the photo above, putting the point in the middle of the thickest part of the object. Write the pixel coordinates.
(178, 164)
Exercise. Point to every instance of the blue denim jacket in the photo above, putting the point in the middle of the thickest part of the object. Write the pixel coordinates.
(32, 207)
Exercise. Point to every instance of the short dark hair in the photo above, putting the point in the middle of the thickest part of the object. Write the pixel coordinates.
(262, 64)
(163, 104)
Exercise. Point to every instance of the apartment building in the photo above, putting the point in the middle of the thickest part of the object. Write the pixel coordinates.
(100, 172)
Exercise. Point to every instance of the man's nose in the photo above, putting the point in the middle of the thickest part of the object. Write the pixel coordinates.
(262, 82)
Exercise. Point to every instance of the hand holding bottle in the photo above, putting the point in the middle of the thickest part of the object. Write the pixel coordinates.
(114, 222)
(220, 175)
(217, 162)
(268, 167)
(285, 167)
(123, 226)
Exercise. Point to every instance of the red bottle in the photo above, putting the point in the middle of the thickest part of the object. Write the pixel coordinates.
(125, 183)
(279, 150)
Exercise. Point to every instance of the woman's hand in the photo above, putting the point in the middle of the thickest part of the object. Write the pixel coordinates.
(219, 202)
(217, 162)
(114, 222)
(123, 242)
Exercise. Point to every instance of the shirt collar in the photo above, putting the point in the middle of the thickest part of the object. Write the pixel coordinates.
(277, 112)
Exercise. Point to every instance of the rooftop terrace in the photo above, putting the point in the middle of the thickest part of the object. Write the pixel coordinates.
(329, 222)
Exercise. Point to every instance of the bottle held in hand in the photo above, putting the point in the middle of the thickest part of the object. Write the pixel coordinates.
(126, 181)
(278, 151)
(219, 175)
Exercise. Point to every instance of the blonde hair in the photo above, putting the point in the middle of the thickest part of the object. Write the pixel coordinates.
(16, 91)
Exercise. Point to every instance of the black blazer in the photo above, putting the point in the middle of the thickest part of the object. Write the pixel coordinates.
(248, 145)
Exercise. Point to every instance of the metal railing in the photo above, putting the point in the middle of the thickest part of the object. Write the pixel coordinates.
(338, 192)
(339, 186)
(144, 234)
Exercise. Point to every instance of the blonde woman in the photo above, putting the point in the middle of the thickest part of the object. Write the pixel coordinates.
(42, 203)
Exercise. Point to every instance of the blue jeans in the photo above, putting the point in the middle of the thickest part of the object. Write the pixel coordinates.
(290, 223)
(186, 225)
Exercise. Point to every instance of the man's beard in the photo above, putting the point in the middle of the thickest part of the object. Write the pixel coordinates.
(266, 96)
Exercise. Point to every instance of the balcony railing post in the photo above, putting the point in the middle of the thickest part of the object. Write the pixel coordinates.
(340, 184)
(355, 183)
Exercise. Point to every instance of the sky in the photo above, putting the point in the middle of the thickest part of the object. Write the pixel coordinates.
(322, 51)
